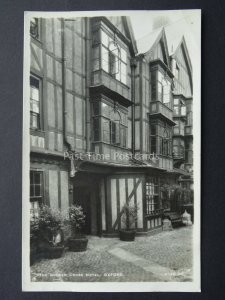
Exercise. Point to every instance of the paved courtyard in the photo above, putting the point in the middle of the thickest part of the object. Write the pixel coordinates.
(166, 256)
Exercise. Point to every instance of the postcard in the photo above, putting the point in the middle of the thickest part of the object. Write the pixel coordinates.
(111, 151)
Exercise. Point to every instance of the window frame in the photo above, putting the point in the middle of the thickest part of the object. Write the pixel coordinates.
(152, 195)
(118, 139)
(162, 144)
(40, 113)
(119, 76)
(39, 197)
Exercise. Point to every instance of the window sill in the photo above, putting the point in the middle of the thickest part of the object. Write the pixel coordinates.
(37, 132)
(111, 77)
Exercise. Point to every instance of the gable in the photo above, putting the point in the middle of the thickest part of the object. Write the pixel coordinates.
(159, 49)
(123, 24)
(159, 52)
(184, 84)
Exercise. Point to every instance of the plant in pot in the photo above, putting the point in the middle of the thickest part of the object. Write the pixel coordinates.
(51, 234)
(75, 217)
(128, 219)
(34, 235)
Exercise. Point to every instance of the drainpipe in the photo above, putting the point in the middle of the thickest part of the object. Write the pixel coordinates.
(68, 145)
(133, 64)
(87, 82)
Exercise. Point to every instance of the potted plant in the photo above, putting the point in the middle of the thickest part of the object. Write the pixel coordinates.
(76, 218)
(129, 217)
(51, 234)
(34, 234)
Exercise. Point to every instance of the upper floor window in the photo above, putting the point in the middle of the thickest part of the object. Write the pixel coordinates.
(164, 89)
(160, 139)
(179, 107)
(34, 103)
(179, 128)
(35, 28)
(109, 124)
(178, 148)
(113, 57)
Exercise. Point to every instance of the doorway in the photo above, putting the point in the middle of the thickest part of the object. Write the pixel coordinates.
(86, 194)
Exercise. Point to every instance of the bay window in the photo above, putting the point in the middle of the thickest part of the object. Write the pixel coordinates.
(109, 124)
(178, 148)
(179, 107)
(113, 57)
(160, 139)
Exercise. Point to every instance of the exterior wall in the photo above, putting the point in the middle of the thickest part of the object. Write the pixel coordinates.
(55, 182)
(116, 191)
(46, 64)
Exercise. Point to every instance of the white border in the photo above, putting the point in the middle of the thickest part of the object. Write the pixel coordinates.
(27, 285)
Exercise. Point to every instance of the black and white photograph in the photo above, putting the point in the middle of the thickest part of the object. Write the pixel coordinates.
(111, 151)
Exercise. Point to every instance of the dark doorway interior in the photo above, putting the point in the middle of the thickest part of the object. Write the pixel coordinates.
(82, 197)
(86, 194)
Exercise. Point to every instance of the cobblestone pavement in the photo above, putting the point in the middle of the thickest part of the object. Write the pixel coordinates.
(166, 256)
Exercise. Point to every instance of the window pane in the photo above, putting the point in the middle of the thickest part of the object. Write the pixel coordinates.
(166, 94)
(113, 63)
(176, 101)
(105, 39)
(105, 110)
(176, 110)
(123, 55)
(34, 120)
(106, 130)
(105, 59)
(34, 106)
(37, 190)
(183, 110)
(96, 129)
(34, 93)
(96, 110)
(37, 178)
(31, 190)
(123, 136)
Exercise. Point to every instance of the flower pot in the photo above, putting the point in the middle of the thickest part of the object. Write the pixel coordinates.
(127, 235)
(78, 244)
(53, 252)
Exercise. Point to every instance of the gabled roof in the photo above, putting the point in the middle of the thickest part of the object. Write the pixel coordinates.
(130, 33)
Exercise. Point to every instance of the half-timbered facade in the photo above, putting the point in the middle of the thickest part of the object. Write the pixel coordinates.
(95, 97)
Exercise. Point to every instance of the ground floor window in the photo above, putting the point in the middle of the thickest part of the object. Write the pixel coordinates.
(152, 195)
(36, 191)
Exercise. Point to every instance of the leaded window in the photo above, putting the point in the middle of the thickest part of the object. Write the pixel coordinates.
(34, 103)
(152, 195)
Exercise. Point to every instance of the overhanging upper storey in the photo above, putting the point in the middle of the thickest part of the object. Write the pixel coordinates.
(112, 48)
